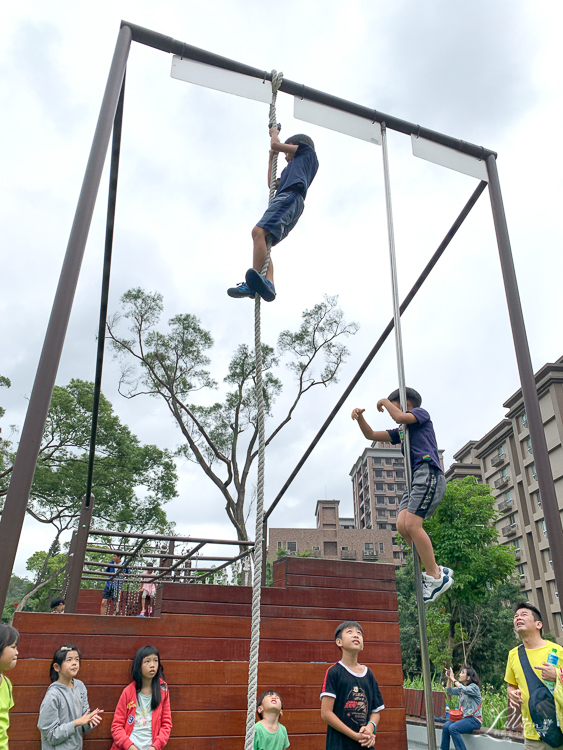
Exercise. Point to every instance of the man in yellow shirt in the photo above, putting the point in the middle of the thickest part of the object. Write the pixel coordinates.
(529, 628)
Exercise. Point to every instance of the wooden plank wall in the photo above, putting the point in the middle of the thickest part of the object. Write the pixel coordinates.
(203, 638)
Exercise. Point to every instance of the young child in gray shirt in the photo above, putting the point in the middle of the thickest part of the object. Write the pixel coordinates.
(64, 715)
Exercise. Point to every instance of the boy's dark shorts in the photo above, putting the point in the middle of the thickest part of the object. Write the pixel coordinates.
(111, 591)
(428, 487)
(282, 215)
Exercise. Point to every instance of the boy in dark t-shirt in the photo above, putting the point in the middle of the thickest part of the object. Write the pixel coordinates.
(428, 482)
(283, 212)
(350, 699)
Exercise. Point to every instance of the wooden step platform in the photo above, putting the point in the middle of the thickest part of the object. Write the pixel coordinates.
(203, 635)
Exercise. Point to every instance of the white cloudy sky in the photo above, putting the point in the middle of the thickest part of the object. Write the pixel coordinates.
(192, 186)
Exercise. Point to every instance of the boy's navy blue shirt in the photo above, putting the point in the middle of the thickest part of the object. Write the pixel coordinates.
(356, 697)
(424, 448)
(300, 172)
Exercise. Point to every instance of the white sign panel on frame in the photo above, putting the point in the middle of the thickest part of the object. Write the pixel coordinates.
(221, 80)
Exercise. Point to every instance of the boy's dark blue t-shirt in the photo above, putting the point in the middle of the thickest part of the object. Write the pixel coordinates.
(300, 172)
(424, 448)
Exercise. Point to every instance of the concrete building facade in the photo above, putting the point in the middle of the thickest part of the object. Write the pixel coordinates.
(378, 483)
(504, 459)
(336, 538)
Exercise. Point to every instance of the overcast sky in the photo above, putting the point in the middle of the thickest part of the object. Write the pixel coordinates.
(192, 186)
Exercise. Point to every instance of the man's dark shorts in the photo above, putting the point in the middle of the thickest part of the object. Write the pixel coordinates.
(111, 591)
(282, 215)
(428, 487)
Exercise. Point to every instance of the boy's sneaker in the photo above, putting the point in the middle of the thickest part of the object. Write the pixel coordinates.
(240, 290)
(262, 286)
(446, 571)
(432, 588)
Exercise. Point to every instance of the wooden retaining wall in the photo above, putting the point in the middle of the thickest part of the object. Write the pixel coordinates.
(203, 638)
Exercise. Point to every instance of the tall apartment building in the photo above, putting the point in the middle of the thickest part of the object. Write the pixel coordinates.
(336, 538)
(378, 483)
(504, 459)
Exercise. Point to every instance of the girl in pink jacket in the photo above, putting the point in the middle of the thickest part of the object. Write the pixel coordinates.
(142, 719)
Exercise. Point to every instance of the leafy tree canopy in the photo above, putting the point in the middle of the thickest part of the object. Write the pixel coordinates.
(172, 364)
(475, 614)
(131, 481)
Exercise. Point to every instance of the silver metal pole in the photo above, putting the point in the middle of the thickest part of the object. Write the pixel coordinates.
(424, 658)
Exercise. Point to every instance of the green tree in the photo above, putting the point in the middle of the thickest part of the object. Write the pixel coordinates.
(465, 539)
(222, 437)
(48, 568)
(5, 444)
(16, 591)
(131, 481)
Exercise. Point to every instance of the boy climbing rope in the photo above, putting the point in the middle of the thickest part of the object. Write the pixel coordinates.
(283, 212)
(428, 482)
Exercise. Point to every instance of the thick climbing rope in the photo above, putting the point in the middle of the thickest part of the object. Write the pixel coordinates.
(258, 562)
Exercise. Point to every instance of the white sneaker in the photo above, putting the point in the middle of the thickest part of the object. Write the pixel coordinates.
(432, 588)
(446, 571)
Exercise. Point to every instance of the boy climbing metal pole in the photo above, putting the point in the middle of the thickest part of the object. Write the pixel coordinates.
(428, 481)
(283, 212)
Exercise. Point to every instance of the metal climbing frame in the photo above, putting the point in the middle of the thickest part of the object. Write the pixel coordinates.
(110, 117)
(172, 567)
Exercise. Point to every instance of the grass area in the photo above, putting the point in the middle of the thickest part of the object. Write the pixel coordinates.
(494, 701)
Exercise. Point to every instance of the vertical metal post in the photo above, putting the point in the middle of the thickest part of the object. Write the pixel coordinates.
(424, 658)
(70, 558)
(24, 468)
(110, 222)
(79, 554)
(527, 380)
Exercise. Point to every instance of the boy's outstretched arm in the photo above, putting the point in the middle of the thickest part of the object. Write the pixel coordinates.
(396, 414)
(379, 435)
(330, 718)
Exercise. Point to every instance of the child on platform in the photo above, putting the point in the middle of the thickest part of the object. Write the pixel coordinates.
(428, 482)
(283, 212)
(269, 734)
(9, 639)
(64, 715)
(142, 718)
(351, 703)
(148, 592)
(112, 589)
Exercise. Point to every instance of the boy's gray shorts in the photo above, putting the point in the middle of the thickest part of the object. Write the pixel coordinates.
(282, 215)
(428, 487)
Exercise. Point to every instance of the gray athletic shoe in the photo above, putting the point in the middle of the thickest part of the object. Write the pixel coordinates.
(433, 588)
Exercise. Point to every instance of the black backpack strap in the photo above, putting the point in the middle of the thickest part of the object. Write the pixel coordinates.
(531, 677)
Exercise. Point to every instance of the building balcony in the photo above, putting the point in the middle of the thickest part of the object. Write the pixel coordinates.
(369, 556)
(501, 482)
(498, 460)
(510, 530)
(517, 554)
(505, 506)
(347, 555)
(523, 582)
